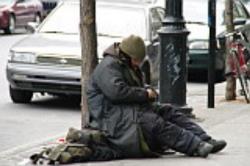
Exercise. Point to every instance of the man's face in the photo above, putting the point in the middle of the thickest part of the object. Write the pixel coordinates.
(135, 63)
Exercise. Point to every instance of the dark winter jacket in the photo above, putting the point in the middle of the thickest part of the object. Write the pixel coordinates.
(115, 96)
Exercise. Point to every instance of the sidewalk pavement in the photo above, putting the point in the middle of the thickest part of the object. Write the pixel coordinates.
(228, 120)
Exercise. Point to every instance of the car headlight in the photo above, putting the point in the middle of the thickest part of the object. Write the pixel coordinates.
(25, 57)
(198, 44)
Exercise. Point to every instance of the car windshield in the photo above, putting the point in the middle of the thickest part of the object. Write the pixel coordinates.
(111, 21)
(64, 19)
(121, 21)
(197, 11)
(5, 2)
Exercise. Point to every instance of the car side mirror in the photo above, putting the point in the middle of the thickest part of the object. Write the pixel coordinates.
(31, 27)
(240, 21)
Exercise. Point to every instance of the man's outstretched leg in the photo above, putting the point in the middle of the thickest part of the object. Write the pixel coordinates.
(161, 133)
(174, 116)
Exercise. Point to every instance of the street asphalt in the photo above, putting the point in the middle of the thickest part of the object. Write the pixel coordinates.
(228, 120)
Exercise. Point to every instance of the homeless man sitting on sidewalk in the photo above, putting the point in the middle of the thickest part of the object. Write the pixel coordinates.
(121, 106)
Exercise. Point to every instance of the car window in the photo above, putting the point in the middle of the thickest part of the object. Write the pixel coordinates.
(235, 11)
(21, 1)
(235, 14)
(68, 25)
(120, 21)
(191, 13)
(5, 2)
(111, 21)
(28, 1)
(238, 11)
(241, 11)
(156, 22)
(161, 12)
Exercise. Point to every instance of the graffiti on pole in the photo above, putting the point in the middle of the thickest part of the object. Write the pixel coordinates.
(173, 68)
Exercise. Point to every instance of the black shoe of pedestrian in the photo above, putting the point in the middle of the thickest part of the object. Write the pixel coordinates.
(203, 149)
(218, 145)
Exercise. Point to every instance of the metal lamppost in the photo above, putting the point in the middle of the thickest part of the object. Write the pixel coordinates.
(173, 50)
(212, 48)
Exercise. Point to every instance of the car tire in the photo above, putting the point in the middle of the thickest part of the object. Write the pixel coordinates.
(11, 26)
(20, 96)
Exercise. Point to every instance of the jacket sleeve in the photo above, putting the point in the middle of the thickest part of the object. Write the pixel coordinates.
(112, 83)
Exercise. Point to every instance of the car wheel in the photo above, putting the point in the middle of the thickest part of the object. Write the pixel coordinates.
(12, 25)
(146, 71)
(20, 96)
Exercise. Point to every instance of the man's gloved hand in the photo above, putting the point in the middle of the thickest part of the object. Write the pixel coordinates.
(152, 94)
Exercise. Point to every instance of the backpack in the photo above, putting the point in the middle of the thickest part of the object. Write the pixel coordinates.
(76, 148)
(64, 153)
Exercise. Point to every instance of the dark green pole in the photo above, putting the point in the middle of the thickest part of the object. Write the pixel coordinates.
(212, 51)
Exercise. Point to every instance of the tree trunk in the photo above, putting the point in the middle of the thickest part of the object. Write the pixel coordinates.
(89, 50)
(230, 80)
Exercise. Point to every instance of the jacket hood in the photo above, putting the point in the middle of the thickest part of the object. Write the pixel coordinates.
(112, 50)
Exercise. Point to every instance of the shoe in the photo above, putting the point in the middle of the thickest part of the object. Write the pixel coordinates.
(218, 145)
(203, 149)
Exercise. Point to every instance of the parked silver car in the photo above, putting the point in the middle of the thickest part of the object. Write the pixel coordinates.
(50, 59)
